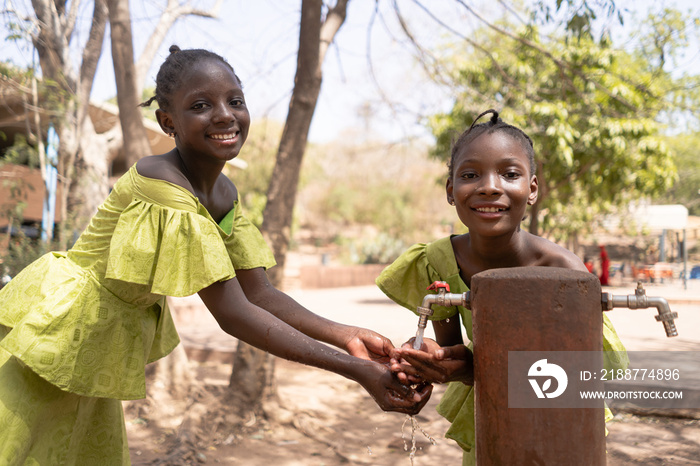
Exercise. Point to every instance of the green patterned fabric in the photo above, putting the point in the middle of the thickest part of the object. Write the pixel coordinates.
(88, 321)
(405, 282)
(41, 424)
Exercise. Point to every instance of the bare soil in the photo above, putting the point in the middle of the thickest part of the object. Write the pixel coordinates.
(328, 420)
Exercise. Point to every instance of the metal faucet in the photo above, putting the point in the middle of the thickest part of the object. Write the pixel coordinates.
(639, 300)
(442, 298)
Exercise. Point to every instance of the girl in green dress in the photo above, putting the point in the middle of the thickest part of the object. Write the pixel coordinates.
(491, 182)
(77, 328)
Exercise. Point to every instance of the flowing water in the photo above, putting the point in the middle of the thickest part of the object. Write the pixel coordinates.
(414, 426)
(418, 342)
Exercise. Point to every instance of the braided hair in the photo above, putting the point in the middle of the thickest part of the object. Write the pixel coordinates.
(171, 72)
(494, 124)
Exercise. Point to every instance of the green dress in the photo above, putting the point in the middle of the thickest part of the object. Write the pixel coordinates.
(405, 282)
(78, 328)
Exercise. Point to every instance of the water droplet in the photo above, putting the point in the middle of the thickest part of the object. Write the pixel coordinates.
(414, 426)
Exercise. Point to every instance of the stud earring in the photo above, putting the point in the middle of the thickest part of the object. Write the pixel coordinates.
(452, 202)
(172, 135)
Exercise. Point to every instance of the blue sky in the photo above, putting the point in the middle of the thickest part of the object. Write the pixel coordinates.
(260, 38)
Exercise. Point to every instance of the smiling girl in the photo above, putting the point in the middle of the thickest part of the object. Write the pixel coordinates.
(491, 181)
(77, 328)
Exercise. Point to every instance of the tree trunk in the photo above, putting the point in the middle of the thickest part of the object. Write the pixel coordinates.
(51, 40)
(281, 194)
(253, 369)
(91, 172)
(252, 378)
(136, 145)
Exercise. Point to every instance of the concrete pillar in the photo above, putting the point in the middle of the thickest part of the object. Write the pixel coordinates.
(533, 309)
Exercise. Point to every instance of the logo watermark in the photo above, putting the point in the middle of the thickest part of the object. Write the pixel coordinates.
(547, 372)
(586, 379)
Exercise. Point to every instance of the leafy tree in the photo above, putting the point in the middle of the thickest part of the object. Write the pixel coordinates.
(686, 190)
(591, 109)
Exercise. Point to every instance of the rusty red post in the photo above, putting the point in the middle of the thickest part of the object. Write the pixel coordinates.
(533, 309)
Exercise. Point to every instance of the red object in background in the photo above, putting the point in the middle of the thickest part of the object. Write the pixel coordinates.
(604, 266)
(589, 266)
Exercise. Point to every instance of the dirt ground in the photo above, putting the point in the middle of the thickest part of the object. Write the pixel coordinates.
(332, 421)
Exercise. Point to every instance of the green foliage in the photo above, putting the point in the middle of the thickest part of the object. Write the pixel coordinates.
(686, 190)
(380, 249)
(12, 209)
(21, 153)
(21, 252)
(592, 111)
(395, 192)
(385, 206)
(577, 16)
(668, 35)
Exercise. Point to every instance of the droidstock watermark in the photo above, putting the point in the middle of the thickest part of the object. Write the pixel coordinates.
(586, 379)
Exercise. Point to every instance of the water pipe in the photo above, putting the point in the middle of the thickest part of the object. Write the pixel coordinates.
(639, 300)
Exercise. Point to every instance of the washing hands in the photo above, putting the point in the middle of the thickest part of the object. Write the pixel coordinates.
(432, 363)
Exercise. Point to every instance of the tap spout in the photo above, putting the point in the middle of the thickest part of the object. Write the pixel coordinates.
(442, 298)
(639, 300)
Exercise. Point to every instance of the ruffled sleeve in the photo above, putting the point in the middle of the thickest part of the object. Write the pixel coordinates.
(175, 252)
(406, 280)
(245, 244)
(164, 239)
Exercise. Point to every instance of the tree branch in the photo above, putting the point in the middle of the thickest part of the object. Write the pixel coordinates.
(567, 179)
(69, 20)
(560, 63)
(92, 51)
(329, 28)
(474, 44)
(171, 14)
(52, 46)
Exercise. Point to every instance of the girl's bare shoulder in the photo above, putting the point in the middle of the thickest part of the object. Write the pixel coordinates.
(550, 254)
(163, 167)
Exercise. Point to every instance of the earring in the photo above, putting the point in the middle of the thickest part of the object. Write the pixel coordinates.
(452, 202)
(172, 135)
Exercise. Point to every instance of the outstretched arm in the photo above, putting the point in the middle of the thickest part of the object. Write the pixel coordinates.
(240, 318)
(359, 342)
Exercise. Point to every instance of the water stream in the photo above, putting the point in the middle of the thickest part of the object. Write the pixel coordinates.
(418, 342)
(414, 426)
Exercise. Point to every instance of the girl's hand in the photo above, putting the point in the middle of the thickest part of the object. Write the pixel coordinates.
(402, 369)
(392, 395)
(433, 363)
(369, 345)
